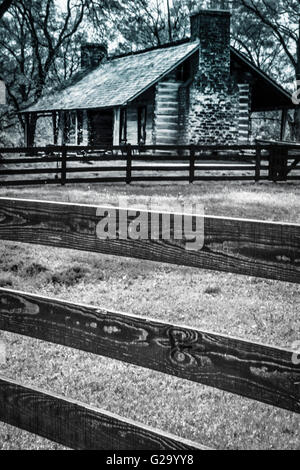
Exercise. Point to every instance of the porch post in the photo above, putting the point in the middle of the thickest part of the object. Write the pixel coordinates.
(283, 124)
(90, 129)
(26, 130)
(30, 126)
(76, 127)
(116, 139)
(63, 127)
(80, 127)
(55, 128)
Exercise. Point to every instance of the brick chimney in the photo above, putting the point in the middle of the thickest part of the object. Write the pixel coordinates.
(92, 54)
(212, 27)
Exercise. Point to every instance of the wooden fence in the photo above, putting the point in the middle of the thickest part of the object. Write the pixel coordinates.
(128, 164)
(263, 373)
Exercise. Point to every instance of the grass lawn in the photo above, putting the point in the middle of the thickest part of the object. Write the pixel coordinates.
(255, 309)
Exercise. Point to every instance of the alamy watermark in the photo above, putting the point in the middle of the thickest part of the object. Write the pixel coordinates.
(143, 222)
(296, 94)
(2, 353)
(296, 354)
(2, 93)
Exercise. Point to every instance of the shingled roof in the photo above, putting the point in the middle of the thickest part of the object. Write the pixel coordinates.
(117, 81)
(122, 79)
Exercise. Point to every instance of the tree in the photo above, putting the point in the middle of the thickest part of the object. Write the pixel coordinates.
(145, 24)
(34, 40)
(40, 42)
(281, 21)
(252, 38)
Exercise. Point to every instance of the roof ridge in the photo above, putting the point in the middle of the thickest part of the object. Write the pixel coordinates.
(153, 48)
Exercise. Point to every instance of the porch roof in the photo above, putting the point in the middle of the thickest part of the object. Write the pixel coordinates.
(117, 81)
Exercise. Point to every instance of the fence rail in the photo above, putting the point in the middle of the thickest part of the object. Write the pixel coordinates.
(129, 163)
(77, 425)
(249, 369)
(260, 372)
(263, 249)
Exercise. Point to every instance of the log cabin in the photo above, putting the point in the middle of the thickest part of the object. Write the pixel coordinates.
(199, 90)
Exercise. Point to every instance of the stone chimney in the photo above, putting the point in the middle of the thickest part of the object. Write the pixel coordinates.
(214, 96)
(212, 28)
(92, 55)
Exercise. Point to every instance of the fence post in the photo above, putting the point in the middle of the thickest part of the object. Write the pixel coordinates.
(284, 163)
(129, 164)
(192, 164)
(272, 163)
(64, 165)
(258, 163)
(278, 164)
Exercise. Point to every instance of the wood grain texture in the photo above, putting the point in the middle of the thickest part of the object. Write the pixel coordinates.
(262, 249)
(79, 426)
(256, 371)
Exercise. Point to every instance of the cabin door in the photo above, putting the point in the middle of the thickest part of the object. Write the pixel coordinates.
(101, 127)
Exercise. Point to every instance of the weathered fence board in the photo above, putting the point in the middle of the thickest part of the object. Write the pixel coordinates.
(256, 371)
(30, 160)
(262, 249)
(79, 426)
(30, 171)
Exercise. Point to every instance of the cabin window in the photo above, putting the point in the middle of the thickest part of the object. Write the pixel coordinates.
(123, 126)
(142, 124)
